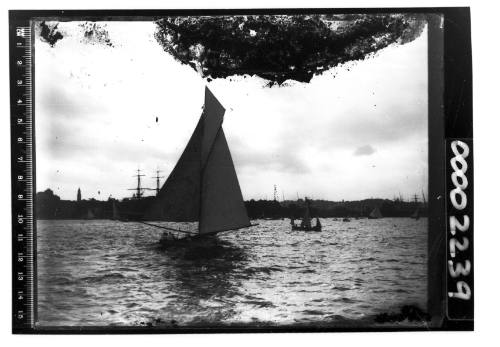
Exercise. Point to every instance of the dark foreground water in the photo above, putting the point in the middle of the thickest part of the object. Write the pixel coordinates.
(103, 272)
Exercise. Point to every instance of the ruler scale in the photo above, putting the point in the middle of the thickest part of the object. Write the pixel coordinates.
(24, 235)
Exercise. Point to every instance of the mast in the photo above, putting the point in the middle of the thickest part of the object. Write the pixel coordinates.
(158, 181)
(138, 190)
(415, 199)
(306, 221)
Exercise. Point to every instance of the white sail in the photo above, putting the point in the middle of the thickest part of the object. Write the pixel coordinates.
(203, 186)
(375, 214)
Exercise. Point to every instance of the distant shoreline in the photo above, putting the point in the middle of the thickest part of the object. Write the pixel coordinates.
(50, 206)
(252, 219)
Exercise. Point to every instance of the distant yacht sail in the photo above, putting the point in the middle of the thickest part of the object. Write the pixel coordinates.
(203, 186)
(306, 220)
(416, 214)
(375, 214)
(90, 214)
(116, 213)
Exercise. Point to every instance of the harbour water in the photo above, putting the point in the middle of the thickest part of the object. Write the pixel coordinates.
(102, 273)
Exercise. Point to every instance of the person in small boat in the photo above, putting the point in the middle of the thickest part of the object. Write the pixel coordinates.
(318, 223)
(168, 236)
(292, 222)
(306, 223)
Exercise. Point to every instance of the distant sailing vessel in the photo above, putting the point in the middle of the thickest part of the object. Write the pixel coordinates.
(305, 225)
(115, 212)
(90, 214)
(416, 214)
(203, 188)
(375, 214)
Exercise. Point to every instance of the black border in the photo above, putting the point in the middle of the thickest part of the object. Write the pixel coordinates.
(450, 90)
(435, 242)
(16, 168)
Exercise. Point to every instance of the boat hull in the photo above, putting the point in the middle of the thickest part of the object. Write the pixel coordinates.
(168, 240)
(298, 228)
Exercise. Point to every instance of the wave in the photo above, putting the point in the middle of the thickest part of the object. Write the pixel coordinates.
(262, 270)
(342, 289)
(107, 277)
(313, 312)
(258, 303)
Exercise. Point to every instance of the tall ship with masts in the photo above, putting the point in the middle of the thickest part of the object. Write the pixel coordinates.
(420, 208)
(201, 196)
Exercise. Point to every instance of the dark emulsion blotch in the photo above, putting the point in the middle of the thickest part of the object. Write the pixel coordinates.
(280, 48)
(50, 33)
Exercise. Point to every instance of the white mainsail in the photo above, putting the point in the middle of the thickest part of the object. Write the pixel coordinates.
(375, 214)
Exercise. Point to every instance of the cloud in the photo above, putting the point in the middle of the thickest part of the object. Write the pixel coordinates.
(364, 150)
(66, 103)
(284, 158)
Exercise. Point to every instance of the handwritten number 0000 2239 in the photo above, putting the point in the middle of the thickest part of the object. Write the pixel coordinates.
(458, 199)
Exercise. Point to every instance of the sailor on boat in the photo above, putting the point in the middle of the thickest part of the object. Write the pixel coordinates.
(167, 236)
(305, 224)
(318, 224)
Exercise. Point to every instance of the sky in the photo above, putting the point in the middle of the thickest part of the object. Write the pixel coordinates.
(356, 131)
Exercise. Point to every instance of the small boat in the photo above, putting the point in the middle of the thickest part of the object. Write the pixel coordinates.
(170, 239)
(90, 214)
(301, 228)
(416, 214)
(346, 219)
(115, 212)
(375, 214)
(305, 225)
(202, 191)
